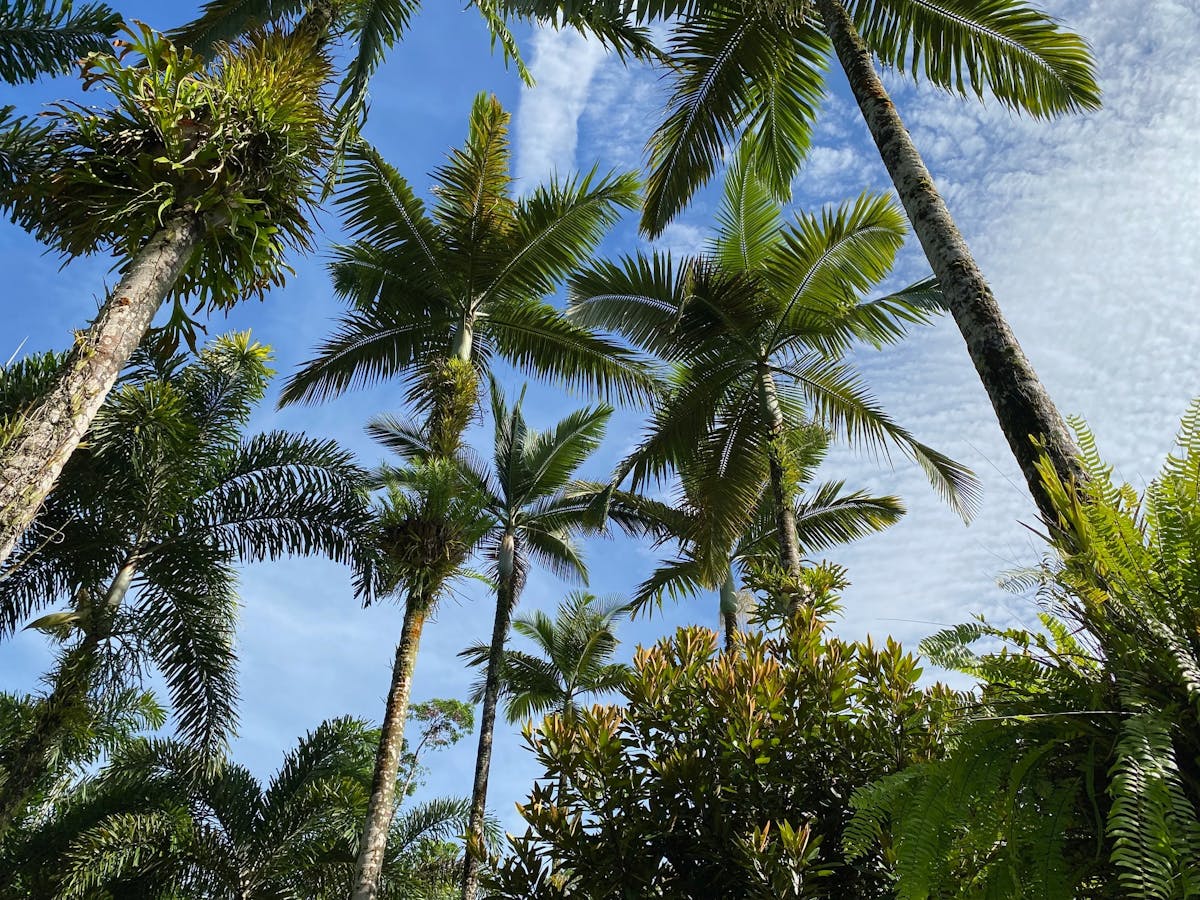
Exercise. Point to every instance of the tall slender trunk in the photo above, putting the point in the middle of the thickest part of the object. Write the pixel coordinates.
(48, 434)
(463, 344)
(382, 805)
(1022, 405)
(568, 710)
(729, 610)
(781, 495)
(30, 763)
(506, 599)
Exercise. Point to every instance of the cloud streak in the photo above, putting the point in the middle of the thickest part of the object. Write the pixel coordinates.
(563, 65)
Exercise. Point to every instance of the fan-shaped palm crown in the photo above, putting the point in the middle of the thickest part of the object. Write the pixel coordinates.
(573, 658)
(164, 500)
(465, 278)
(147, 823)
(754, 331)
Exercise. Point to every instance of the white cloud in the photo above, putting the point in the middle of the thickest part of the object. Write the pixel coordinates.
(563, 65)
(1088, 228)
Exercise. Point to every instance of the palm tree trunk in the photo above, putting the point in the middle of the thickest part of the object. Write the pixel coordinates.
(316, 23)
(729, 610)
(781, 494)
(382, 805)
(72, 682)
(1023, 408)
(505, 601)
(32, 460)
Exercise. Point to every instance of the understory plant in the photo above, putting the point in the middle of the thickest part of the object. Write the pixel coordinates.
(1076, 771)
(725, 773)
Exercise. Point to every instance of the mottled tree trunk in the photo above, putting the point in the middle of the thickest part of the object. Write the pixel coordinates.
(316, 23)
(382, 805)
(781, 494)
(505, 601)
(49, 432)
(72, 682)
(1022, 406)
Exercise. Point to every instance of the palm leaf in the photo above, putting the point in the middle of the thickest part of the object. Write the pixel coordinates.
(376, 25)
(540, 340)
(1005, 47)
(639, 297)
(223, 21)
(553, 456)
(369, 346)
(44, 37)
(556, 227)
(840, 402)
(381, 210)
(748, 220)
(189, 610)
(708, 103)
(825, 262)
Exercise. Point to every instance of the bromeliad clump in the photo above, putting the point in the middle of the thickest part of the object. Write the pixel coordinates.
(236, 144)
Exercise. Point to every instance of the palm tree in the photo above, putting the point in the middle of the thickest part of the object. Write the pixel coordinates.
(762, 69)
(824, 516)
(575, 650)
(755, 330)
(536, 509)
(197, 180)
(142, 535)
(154, 822)
(429, 524)
(437, 294)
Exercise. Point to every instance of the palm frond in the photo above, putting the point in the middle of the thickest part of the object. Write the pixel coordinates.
(733, 68)
(556, 227)
(840, 402)
(384, 342)
(825, 516)
(280, 494)
(376, 26)
(748, 220)
(473, 205)
(1007, 48)
(638, 297)
(540, 340)
(824, 263)
(189, 611)
(406, 439)
(380, 209)
(223, 21)
(46, 37)
(675, 579)
(553, 456)
(554, 549)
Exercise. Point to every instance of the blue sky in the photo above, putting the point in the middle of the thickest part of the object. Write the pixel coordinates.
(1088, 228)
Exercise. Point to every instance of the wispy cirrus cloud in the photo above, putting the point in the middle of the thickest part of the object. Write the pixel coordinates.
(563, 64)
